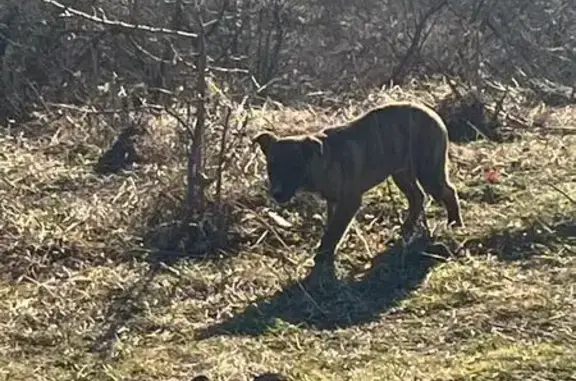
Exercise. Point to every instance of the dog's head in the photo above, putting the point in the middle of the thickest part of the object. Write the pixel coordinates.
(288, 162)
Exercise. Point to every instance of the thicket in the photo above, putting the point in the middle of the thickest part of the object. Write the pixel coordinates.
(206, 62)
(289, 50)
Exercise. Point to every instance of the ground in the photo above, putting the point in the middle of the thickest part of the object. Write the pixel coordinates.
(84, 298)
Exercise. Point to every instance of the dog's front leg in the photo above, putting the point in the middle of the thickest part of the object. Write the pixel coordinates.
(330, 207)
(338, 222)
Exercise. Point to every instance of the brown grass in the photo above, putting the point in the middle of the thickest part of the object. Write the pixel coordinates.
(84, 295)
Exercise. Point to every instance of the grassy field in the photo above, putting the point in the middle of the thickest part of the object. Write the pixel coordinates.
(83, 295)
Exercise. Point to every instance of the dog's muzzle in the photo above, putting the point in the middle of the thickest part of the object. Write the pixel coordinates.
(280, 195)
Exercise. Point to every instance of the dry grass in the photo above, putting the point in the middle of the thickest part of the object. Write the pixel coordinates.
(82, 296)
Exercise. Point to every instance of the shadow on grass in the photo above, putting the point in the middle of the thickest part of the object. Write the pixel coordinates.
(125, 305)
(393, 276)
(332, 303)
(523, 244)
(168, 240)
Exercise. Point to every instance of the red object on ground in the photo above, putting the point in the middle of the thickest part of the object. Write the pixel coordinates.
(491, 175)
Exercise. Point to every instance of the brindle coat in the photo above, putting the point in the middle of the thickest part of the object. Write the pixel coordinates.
(404, 140)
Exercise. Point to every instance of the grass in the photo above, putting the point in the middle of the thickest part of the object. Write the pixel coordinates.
(82, 297)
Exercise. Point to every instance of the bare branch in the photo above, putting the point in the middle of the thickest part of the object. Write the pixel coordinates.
(420, 36)
(124, 25)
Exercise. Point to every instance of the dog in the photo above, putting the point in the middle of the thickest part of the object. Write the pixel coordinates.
(404, 140)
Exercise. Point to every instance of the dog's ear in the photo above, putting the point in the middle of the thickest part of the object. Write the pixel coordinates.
(312, 146)
(264, 139)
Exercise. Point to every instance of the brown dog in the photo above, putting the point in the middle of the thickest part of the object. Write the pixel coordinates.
(406, 141)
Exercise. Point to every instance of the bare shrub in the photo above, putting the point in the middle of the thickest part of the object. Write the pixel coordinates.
(284, 49)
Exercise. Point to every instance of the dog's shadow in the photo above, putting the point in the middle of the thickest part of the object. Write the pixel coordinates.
(322, 302)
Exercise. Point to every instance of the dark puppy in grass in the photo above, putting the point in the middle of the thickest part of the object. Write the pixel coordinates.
(404, 140)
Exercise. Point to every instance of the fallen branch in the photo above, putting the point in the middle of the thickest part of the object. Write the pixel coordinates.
(566, 195)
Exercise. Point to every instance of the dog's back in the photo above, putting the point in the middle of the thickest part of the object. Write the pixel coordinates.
(386, 140)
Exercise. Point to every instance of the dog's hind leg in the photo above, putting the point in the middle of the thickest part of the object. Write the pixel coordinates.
(411, 189)
(435, 182)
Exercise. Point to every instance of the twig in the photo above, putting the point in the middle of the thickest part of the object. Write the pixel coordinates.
(477, 130)
(362, 238)
(124, 25)
(499, 107)
(86, 110)
(221, 157)
(180, 120)
(568, 197)
(517, 121)
(270, 229)
(393, 201)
